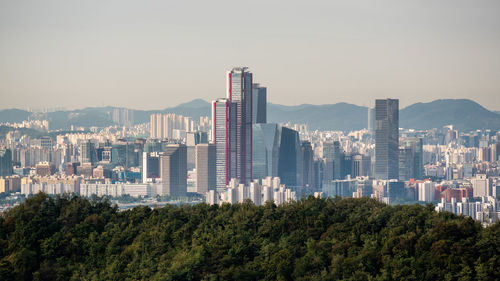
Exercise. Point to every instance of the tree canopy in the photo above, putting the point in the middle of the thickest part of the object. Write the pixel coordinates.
(72, 238)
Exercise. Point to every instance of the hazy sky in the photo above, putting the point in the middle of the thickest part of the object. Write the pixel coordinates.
(156, 54)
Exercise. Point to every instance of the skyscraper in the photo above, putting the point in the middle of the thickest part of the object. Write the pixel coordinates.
(259, 107)
(406, 164)
(416, 157)
(5, 162)
(266, 145)
(87, 152)
(239, 91)
(386, 138)
(307, 165)
(174, 170)
(205, 168)
(224, 138)
(334, 156)
(371, 119)
(290, 158)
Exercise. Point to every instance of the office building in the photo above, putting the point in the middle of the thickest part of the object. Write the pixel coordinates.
(5, 162)
(334, 155)
(266, 146)
(174, 170)
(361, 166)
(239, 92)
(259, 107)
(414, 148)
(224, 139)
(192, 139)
(405, 164)
(205, 168)
(150, 166)
(290, 158)
(88, 152)
(307, 166)
(386, 139)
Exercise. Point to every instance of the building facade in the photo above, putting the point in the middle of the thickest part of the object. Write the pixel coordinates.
(174, 170)
(387, 139)
(205, 168)
(224, 139)
(239, 92)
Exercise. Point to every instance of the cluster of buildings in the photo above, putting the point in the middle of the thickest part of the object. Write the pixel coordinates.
(269, 191)
(173, 126)
(40, 125)
(236, 155)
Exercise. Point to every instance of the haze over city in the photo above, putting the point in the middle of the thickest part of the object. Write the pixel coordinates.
(156, 54)
(249, 140)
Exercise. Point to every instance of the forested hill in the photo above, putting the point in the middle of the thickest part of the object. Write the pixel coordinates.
(314, 239)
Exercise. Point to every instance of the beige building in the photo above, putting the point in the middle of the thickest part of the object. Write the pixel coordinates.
(10, 184)
(173, 166)
(205, 168)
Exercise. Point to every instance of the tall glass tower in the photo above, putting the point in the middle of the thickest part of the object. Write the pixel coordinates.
(239, 91)
(224, 138)
(387, 139)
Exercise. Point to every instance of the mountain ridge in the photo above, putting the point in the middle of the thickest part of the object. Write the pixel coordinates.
(464, 114)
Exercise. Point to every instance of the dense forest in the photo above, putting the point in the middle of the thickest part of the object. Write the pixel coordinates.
(72, 238)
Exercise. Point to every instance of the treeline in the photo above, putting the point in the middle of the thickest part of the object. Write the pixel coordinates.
(72, 238)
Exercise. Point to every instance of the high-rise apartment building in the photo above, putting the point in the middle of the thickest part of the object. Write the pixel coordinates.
(386, 139)
(205, 168)
(239, 92)
(426, 191)
(224, 139)
(259, 107)
(174, 170)
(123, 117)
(169, 126)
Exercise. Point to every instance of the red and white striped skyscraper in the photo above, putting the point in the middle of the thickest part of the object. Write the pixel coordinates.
(239, 91)
(232, 129)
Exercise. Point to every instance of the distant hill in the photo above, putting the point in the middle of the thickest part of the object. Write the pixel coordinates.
(464, 114)
(13, 115)
(339, 116)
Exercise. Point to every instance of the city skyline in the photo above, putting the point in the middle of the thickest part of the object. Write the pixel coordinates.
(259, 140)
(156, 55)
